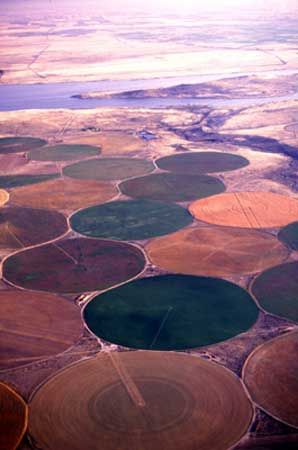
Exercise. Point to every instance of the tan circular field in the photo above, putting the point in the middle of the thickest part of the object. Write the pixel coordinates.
(140, 401)
(35, 326)
(270, 374)
(216, 251)
(4, 196)
(13, 418)
(247, 209)
(65, 194)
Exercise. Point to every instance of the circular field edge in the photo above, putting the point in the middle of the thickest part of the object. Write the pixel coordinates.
(243, 370)
(25, 407)
(261, 308)
(96, 291)
(91, 151)
(233, 375)
(93, 295)
(284, 237)
(245, 163)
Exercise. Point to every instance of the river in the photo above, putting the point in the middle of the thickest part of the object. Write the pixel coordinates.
(59, 95)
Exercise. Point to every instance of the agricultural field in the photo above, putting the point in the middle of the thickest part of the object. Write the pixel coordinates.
(151, 251)
(142, 400)
(148, 228)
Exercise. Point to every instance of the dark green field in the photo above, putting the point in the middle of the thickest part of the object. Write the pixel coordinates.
(276, 290)
(171, 312)
(202, 162)
(107, 169)
(172, 187)
(64, 152)
(19, 144)
(130, 220)
(12, 181)
(289, 235)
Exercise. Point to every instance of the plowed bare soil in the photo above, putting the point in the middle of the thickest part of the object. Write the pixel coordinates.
(247, 209)
(270, 374)
(140, 401)
(13, 418)
(65, 194)
(35, 326)
(216, 251)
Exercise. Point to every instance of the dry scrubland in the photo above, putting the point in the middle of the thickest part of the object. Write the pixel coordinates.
(142, 47)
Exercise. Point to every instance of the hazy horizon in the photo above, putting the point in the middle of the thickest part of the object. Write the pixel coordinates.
(182, 7)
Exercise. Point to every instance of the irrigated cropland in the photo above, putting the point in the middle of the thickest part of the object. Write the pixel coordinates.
(148, 225)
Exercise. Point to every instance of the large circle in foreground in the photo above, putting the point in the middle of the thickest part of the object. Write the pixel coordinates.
(172, 187)
(35, 326)
(13, 418)
(19, 144)
(247, 209)
(4, 196)
(289, 235)
(130, 220)
(106, 169)
(217, 251)
(270, 374)
(140, 400)
(64, 152)
(63, 194)
(276, 290)
(74, 265)
(201, 162)
(171, 312)
(23, 227)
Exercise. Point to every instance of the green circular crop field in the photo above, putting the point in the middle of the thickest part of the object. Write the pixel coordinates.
(64, 152)
(108, 169)
(289, 235)
(130, 220)
(171, 312)
(276, 290)
(202, 162)
(12, 181)
(19, 144)
(172, 187)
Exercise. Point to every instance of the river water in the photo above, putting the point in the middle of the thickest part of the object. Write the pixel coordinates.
(59, 95)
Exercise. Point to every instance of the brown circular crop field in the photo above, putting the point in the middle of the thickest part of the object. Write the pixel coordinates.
(23, 227)
(140, 401)
(35, 326)
(247, 209)
(65, 194)
(74, 265)
(216, 251)
(270, 374)
(4, 196)
(13, 418)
